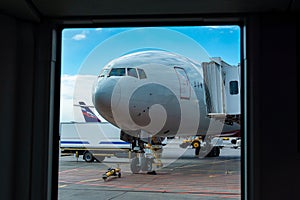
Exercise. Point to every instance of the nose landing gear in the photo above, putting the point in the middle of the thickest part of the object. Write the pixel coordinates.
(145, 158)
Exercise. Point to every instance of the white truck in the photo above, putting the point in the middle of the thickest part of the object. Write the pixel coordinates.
(93, 140)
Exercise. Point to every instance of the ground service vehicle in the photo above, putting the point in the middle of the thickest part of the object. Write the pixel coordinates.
(94, 141)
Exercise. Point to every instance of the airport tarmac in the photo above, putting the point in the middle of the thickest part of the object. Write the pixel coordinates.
(183, 176)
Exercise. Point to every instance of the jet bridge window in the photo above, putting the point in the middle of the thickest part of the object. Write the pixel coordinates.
(142, 73)
(117, 72)
(132, 72)
(233, 87)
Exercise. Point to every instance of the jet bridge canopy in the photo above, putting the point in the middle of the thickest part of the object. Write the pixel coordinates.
(222, 87)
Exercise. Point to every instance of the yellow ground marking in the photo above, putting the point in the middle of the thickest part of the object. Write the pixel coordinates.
(62, 186)
(90, 180)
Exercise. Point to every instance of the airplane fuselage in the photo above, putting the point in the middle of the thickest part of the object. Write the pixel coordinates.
(158, 93)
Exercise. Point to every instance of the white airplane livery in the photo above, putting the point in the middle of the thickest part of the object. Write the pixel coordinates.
(155, 94)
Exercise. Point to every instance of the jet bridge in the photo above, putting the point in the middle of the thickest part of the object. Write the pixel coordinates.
(222, 85)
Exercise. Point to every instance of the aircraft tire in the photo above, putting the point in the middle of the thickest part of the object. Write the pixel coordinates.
(135, 166)
(146, 164)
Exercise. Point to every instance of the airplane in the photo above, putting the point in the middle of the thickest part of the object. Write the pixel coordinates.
(154, 94)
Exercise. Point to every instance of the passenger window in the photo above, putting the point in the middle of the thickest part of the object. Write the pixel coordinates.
(117, 72)
(142, 74)
(234, 87)
(132, 72)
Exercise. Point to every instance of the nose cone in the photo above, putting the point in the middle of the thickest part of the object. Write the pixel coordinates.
(102, 97)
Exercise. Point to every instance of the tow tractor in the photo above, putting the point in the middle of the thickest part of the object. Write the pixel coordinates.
(199, 142)
(210, 147)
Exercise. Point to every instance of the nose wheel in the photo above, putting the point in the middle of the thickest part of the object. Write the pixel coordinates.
(144, 161)
(135, 165)
(144, 154)
(141, 164)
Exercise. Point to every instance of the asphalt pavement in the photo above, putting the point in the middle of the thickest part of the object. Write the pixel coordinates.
(182, 176)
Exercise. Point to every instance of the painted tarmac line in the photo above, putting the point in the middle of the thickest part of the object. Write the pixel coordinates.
(62, 186)
(90, 180)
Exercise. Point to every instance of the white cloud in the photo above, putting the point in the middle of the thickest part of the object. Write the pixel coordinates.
(221, 29)
(98, 29)
(80, 36)
(224, 27)
(67, 86)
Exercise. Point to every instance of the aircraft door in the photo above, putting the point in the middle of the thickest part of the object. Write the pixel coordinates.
(185, 89)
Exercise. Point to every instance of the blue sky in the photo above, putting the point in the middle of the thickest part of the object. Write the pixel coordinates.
(77, 44)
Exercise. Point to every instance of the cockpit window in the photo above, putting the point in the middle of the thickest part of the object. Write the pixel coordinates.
(104, 72)
(132, 72)
(117, 72)
(142, 73)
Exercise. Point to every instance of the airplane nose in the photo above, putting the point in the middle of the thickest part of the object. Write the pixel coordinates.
(102, 97)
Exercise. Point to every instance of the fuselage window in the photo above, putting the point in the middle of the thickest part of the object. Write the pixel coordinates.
(142, 74)
(132, 72)
(117, 72)
(234, 87)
